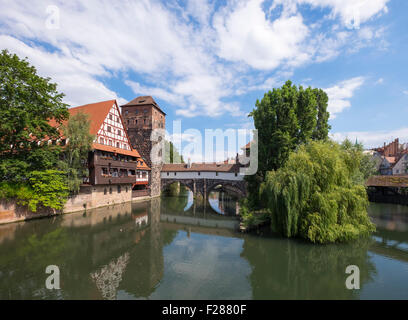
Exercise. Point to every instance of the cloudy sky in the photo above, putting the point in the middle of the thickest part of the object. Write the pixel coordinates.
(206, 62)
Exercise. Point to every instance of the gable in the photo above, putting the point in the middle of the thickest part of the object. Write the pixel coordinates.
(112, 132)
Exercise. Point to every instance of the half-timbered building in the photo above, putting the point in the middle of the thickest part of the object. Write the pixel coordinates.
(113, 163)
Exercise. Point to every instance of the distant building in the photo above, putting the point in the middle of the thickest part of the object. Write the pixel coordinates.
(392, 159)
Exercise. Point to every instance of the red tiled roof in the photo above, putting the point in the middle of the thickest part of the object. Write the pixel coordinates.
(97, 113)
(104, 147)
(143, 101)
(391, 160)
(209, 167)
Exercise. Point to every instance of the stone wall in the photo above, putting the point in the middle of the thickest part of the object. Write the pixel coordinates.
(89, 197)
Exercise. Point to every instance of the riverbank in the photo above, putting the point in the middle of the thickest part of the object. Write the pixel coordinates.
(89, 197)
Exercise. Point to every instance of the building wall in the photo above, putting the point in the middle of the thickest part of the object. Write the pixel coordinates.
(89, 197)
(140, 121)
(401, 166)
(203, 175)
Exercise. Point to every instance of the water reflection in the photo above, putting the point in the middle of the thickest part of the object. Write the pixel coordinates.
(160, 250)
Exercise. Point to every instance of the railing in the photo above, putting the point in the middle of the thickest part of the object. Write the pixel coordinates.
(140, 193)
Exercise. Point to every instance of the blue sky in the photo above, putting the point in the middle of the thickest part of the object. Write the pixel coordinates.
(206, 62)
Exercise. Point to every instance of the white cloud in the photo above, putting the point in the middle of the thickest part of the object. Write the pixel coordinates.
(349, 11)
(372, 139)
(405, 92)
(194, 66)
(246, 35)
(380, 81)
(340, 94)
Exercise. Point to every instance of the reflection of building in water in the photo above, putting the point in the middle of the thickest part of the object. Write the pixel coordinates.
(141, 219)
(108, 278)
(103, 252)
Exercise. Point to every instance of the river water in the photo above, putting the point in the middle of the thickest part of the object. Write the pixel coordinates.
(174, 248)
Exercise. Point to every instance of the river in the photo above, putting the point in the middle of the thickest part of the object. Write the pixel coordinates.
(174, 248)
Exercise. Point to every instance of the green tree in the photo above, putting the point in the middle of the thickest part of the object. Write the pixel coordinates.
(315, 195)
(76, 151)
(27, 102)
(171, 154)
(285, 118)
(43, 189)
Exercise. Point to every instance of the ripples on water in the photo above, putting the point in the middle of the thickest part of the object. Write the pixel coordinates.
(181, 248)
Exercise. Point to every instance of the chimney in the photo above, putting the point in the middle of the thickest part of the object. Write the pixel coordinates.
(189, 163)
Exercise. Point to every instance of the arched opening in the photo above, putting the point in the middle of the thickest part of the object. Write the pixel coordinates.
(223, 198)
(178, 196)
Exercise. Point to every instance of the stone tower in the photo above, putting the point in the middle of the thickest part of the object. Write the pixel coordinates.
(141, 116)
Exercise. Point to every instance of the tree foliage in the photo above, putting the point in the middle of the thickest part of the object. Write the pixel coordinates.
(171, 154)
(27, 102)
(43, 189)
(285, 118)
(315, 195)
(75, 155)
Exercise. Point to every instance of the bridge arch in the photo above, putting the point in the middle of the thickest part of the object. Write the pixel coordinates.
(238, 187)
(189, 183)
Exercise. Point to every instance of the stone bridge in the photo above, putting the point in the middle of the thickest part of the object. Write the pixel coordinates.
(201, 179)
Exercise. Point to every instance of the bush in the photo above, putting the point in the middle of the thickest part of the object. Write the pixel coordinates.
(43, 188)
(315, 196)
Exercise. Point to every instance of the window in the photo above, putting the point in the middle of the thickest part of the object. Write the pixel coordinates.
(101, 141)
(144, 121)
(144, 174)
(126, 112)
(216, 173)
(119, 132)
(117, 145)
(199, 173)
(110, 117)
(136, 121)
(236, 174)
(145, 110)
(168, 173)
(137, 112)
(175, 173)
(119, 189)
(110, 143)
(117, 119)
(109, 129)
(104, 171)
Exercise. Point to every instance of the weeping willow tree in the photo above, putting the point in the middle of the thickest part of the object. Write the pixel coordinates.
(315, 196)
